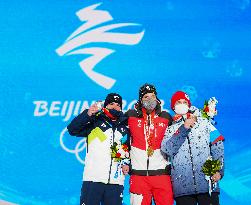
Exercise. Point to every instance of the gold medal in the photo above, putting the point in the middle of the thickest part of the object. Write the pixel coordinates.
(150, 151)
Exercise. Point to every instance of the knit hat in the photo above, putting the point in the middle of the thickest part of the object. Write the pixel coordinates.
(113, 97)
(146, 88)
(178, 96)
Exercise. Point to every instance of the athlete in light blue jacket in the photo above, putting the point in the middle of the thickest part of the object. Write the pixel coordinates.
(190, 141)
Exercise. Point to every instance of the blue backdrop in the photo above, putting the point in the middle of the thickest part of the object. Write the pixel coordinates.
(57, 57)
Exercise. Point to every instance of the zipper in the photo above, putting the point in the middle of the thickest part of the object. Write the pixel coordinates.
(113, 136)
(148, 160)
(147, 174)
(191, 158)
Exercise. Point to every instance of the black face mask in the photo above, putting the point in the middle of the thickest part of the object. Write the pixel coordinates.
(115, 113)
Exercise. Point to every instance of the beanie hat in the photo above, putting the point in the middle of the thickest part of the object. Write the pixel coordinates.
(113, 97)
(178, 96)
(146, 88)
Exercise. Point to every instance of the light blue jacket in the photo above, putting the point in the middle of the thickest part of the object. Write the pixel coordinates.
(189, 149)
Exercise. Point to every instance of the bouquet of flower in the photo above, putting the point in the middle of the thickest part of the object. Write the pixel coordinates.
(119, 152)
(209, 109)
(209, 168)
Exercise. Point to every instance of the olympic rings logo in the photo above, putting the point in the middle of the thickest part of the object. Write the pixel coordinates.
(80, 146)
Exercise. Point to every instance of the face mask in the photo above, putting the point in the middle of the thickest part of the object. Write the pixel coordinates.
(181, 109)
(149, 104)
(115, 113)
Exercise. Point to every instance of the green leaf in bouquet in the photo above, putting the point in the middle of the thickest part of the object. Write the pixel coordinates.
(204, 114)
(210, 167)
(117, 159)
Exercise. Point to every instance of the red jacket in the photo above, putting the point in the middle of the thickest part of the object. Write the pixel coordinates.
(141, 163)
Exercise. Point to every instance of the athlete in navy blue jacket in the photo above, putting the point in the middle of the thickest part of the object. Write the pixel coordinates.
(103, 177)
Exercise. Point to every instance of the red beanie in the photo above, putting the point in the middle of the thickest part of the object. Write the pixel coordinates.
(177, 96)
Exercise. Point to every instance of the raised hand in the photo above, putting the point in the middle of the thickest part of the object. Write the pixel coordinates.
(190, 122)
(125, 169)
(93, 109)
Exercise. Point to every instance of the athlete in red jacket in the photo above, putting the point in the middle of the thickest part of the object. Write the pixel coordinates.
(150, 170)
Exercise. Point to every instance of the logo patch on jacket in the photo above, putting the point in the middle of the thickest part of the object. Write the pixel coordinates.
(161, 124)
(122, 129)
(177, 132)
(139, 123)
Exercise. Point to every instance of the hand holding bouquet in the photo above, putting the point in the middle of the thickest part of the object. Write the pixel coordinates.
(210, 168)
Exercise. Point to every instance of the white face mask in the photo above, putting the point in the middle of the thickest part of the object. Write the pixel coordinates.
(181, 109)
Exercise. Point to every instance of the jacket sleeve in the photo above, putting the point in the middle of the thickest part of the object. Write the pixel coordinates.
(80, 125)
(175, 136)
(217, 147)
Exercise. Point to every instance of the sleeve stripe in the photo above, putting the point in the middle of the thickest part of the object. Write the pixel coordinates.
(220, 138)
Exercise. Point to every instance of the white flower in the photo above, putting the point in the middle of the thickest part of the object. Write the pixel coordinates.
(212, 101)
(212, 107)
(122, 152)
